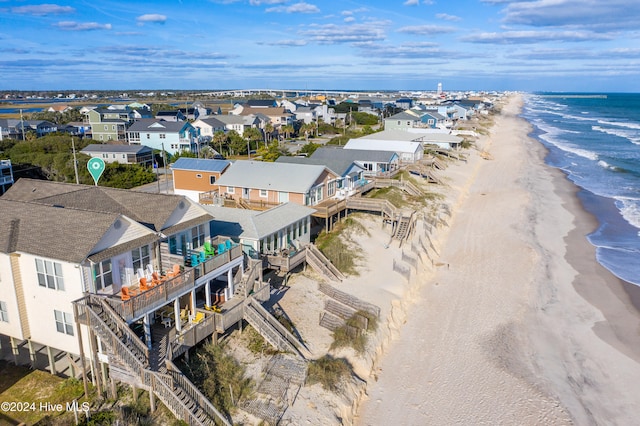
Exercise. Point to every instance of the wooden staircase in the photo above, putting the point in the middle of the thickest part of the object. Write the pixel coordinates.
(322, 265)
(271, 329)
(404, 227)
(131, 362)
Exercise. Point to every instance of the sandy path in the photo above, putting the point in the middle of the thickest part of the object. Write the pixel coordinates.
(485, 343)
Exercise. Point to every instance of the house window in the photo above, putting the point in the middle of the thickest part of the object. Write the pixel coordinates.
(106, 127)
(299, 228)
(101, 137)
(105, 155)
(197, 236)
(263, 193)
(163, 136)
(140, 256)
(275, 241)
(49, 274)
(4, 314)
(306, 222)
(199, 175)
(148, 136)
(398, 122)
(113, 127)
(64, 322)
(331, 190)
(269, 243)
(231, 190)
(212, 180)
(103, 274)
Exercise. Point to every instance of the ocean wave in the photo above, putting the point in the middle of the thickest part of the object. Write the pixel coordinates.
(632, 136)
(590, 155)
(630, 209)
(628, 125)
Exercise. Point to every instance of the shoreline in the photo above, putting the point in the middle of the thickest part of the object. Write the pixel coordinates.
(546, 346)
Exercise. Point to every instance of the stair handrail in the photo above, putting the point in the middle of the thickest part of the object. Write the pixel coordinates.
(190, 389)
(326, 262)
(290, 338)
(268, 332)
(122, 325)
(167, 395)
(117, 345)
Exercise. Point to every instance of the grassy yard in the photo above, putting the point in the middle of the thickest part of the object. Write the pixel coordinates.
(22, 385)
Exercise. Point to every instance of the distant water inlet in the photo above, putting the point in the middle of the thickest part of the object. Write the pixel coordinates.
(595, 140)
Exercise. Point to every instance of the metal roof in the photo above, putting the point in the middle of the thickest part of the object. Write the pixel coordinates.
(255, 225)
(200, 164)
(298, 178)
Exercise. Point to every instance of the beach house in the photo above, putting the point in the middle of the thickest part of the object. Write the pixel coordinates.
(407, 145)
(170, 136)
(263, 184)
(195, 177)
(131, 270)
(123, 154)
(286, 226)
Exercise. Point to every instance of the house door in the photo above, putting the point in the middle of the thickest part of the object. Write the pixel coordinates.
(283, 197)
(245, 193)
(122, 269)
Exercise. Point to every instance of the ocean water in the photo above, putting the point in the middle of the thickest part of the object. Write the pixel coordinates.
(595, 140)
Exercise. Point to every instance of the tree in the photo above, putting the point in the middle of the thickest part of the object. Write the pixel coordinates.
(219, 140)
(237, 144)
(309, 148)
(308, 129)
(287, 130)
(271, 152)
(268, 132)
(207, 152)
(253, 135)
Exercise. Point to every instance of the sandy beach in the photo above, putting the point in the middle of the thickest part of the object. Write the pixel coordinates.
(507, 318)
(523, 326)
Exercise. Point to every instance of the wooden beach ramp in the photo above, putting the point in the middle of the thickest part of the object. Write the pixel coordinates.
(322, 265)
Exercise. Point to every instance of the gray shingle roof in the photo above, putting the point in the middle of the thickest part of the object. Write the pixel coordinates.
(52, 232)
(285, 177)
(151, 210)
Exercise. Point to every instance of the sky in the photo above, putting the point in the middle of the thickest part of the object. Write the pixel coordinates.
(525, 45)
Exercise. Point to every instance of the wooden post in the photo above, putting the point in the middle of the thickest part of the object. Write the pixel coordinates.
(134, 391)
(32, 353)
(114, 391)
(14, 350)
(152, 401)
(52, 362)
(82, 360)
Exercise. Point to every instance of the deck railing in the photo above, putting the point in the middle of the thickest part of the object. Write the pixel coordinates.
(168, 290)
(189, 388)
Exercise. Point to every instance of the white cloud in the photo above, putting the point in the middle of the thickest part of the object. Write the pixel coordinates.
(426, 29)
(152, 17)
(301, 7)
(516, 37)
(594, 14)
(349, 19)
(447, 17)
(81, 26)
(411, 2)
(42, 9)
(336, 34)
(260, 2)
(291, 43)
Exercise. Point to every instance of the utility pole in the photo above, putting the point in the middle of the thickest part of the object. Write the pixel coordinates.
(22, 124)
(75, 161)
(164, 162)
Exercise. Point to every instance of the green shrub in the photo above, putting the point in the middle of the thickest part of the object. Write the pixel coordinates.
(329, 372)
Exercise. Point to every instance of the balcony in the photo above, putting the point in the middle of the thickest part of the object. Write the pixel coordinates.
(168, 290)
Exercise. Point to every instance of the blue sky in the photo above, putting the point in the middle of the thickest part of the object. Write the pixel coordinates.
(556, 45)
